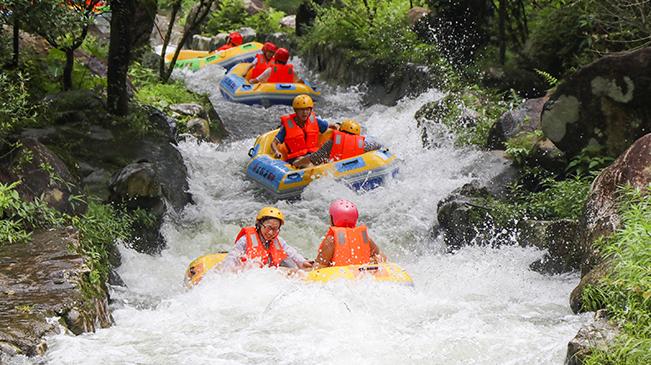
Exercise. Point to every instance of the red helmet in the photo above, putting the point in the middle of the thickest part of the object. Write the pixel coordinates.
(343, 213)
(282, 55)
(235, 38)
(268, 46)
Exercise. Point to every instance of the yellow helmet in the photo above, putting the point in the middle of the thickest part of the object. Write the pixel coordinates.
(302, 101)
(271, 212)
(350, 126)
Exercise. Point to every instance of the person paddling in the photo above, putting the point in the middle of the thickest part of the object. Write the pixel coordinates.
(262, 61)
(346, 243)
(299, 131)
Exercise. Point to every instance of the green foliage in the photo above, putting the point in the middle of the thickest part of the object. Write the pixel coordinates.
(99, 228)
(625, 292)
(17, 107)
(286, 6)
(485, 106)
(549, 79)
(232, 15)
(520, 147)
(589, 161)
(229, 16)
(163, 95)
(95, 47)
(82, 76)
(559, 200)
(18, 217)
(371, 32)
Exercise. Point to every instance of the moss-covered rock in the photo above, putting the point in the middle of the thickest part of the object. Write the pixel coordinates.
(604, 103)
(45, 278)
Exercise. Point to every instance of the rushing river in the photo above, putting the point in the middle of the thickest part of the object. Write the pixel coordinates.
(480, 305)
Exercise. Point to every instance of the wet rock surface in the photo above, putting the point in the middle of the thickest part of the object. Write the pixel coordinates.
(524, 118)
(605, 103)
(42, 279)
(598, 335)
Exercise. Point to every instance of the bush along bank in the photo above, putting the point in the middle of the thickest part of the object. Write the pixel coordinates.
(625, 290)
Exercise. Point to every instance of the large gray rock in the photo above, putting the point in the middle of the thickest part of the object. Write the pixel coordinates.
(598, 335)
(102, 148)
(43, 175)
(524, 118)
(42, 279)
(605, 103)
(557, 237)
(601, 217)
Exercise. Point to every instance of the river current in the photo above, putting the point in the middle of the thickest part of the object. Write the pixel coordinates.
(480, 305)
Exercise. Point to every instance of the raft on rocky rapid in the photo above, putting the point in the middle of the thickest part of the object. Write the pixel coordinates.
(228, 58)
(383, 272)
(364, 172)
(236, 87)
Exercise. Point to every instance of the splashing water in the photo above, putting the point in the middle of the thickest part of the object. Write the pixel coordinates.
(478, 306)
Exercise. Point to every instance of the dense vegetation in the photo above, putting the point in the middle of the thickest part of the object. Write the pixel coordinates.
(626, 291)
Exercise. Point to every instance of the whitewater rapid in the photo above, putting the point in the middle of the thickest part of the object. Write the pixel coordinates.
(480, 305)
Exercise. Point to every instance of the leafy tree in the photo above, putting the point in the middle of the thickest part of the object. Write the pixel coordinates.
(64, 25)
(197, 15)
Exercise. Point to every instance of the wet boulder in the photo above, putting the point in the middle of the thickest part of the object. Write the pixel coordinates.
(557, 238)
(598, 335)
(202, 122)
(605, 103)
(43, 175)
(202, 43)
(448, 110)
(42, 279)
(524, 118)
(464, 219)
(600, 217)
(415, 14)
(288, 21)
(199, 128)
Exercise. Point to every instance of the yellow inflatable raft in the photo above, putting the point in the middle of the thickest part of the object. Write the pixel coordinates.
(226, 58)
(236, 87)
(384, 272)
(364, 172)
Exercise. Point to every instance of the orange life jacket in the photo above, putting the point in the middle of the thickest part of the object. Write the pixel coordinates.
(281, 73)
(345, 145)
(271, 256)
(260, 66)
(352, 246)
(300, 141)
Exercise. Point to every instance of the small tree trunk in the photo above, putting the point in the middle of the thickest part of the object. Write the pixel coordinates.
(16, 42)
(119, 57)
(502, 31)
(67, 69)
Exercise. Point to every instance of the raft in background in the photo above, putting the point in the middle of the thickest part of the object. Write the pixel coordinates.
(364, 172)
(235, 87)
(383, 272)
(226, 58)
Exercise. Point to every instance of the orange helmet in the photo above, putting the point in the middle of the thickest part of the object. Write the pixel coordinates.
(235, 38)
(282, 55)
(268, 46)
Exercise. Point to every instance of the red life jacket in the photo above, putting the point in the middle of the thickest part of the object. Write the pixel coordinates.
(300, 141)
(260, 66)
(225, 47)
(271, 256)
(345, 145)
(281, 73)
(352, 246)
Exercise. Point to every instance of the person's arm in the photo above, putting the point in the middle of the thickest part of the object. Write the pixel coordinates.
(326, 251)
(323, 125)
(376, 255)
(233, 260)
(275, 144)
(264, 76)
(250, 66)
